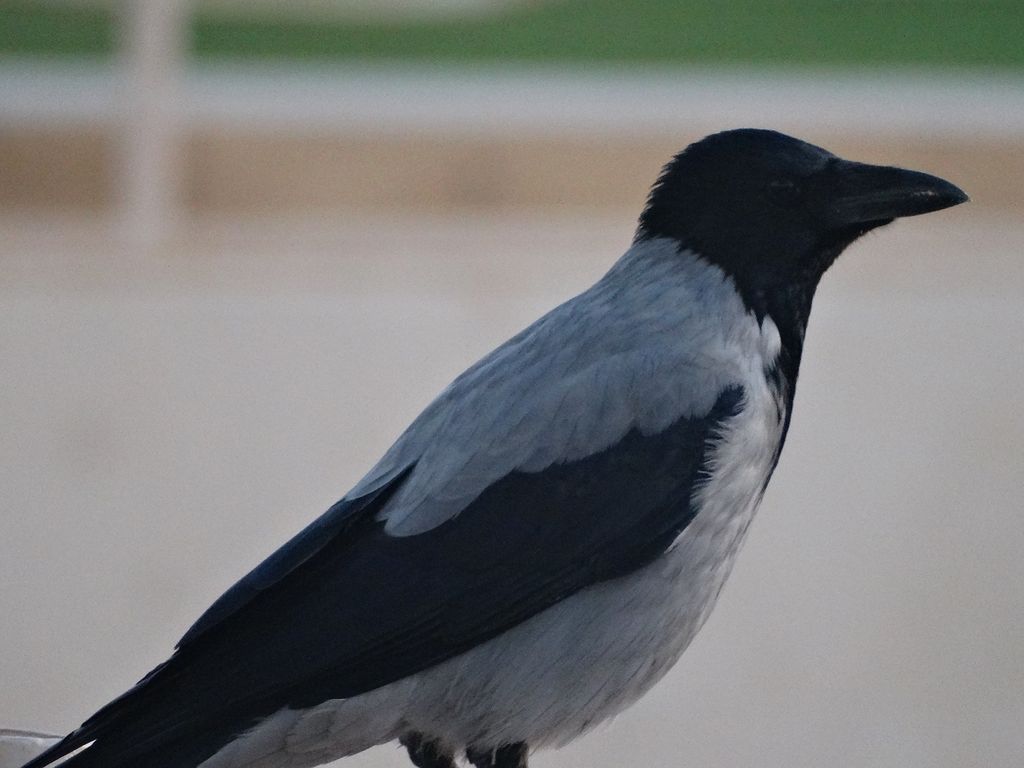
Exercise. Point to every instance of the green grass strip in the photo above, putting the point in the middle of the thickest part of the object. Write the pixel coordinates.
(945, 33)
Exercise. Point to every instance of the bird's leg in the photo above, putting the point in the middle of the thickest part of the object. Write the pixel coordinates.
(508, 756)
(426, 752)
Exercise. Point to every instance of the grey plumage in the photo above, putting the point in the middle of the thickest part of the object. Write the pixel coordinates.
(656, 339)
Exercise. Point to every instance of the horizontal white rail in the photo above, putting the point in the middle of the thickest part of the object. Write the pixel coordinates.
(536, 101)
(18, 747)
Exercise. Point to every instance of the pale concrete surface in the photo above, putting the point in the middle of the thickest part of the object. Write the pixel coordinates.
(169, 421)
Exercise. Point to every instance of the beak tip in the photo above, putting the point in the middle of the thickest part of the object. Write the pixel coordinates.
(937, 194)
(877, 193)
(956, 196)
(934, 194)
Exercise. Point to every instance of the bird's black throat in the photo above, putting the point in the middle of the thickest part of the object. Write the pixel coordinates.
(787, 299)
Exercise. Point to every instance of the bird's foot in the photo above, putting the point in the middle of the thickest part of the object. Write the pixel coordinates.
(508, 756)
(426, 752)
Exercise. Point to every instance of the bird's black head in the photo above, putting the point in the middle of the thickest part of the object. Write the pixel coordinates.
(774, 212)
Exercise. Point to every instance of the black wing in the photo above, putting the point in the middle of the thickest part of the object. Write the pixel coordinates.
(346, 607)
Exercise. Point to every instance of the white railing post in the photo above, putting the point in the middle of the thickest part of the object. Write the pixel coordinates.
(154, 43)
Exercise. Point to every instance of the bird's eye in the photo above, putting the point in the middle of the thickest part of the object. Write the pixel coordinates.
(784, 192)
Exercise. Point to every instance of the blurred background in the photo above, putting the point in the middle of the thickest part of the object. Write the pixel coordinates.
(242, 244)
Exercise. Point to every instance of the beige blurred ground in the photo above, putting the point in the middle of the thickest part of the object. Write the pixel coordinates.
(170, 419)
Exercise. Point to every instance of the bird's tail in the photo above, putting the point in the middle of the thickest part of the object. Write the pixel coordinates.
(151, 725)
(18, 747)
(114, 750)
(47, 751)
(84, 735)
(83, 752)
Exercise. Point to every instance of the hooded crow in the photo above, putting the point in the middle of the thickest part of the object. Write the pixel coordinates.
(542, 543)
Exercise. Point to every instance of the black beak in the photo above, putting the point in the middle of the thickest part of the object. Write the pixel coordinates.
(874, 194)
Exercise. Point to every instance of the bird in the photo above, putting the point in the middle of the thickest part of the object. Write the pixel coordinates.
(542, 543)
